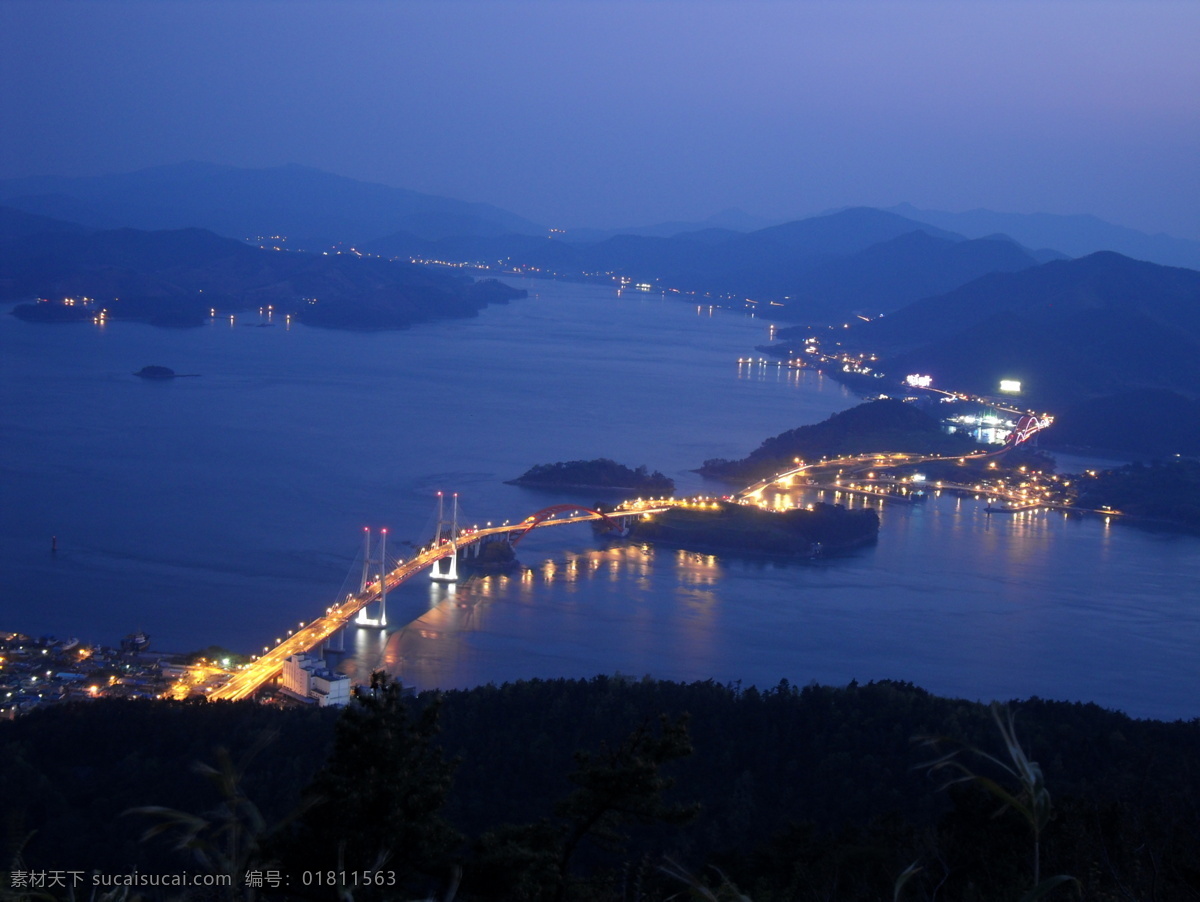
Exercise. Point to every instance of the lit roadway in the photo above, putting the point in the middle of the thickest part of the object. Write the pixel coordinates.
(859, 461)
(245, 683)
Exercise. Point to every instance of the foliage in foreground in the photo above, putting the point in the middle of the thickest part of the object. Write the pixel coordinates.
(804, 793)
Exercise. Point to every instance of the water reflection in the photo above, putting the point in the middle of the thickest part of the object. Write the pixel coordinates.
(950, 597)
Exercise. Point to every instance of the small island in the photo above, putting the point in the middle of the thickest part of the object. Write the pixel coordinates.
(161, 372)
(490, 557)
(724, 526)
(601, 474)
(156, 372)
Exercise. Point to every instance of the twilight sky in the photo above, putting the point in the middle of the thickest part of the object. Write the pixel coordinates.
(611, 112)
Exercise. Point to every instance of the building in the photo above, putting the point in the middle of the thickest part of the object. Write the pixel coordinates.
(306, 677)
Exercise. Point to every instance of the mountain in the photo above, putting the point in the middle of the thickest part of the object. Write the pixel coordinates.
(177, 277)
(313, 209)
(858, 260)
(1068, 330)
(886, 276)
(19, 224)
(1074, 235)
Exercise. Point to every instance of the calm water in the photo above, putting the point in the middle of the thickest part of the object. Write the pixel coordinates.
(225, 508)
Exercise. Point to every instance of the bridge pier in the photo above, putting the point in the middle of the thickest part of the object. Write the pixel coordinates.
(447, 532)
(450, 573)
(364, 618)
(336, 642)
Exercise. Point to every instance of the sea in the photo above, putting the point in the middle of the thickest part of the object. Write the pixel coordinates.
(228, 505)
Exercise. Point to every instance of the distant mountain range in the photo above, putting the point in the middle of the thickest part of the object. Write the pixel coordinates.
(316, 209)
(177, 277)
(311, 208)
(1075, 236)
(1102, 332)
(856, 261)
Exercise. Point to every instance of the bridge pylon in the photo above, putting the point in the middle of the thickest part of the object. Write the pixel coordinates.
(447, 532)
(364, 618)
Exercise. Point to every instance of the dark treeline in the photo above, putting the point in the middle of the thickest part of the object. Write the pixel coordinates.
(574, 789)
(601, 473)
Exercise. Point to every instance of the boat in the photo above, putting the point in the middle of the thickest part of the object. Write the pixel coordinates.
(135, 642)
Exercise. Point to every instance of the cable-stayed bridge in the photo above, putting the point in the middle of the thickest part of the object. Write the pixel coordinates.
(368, 607)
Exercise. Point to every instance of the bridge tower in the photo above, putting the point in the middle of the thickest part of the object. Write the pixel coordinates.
(441, 535)
(364, 619)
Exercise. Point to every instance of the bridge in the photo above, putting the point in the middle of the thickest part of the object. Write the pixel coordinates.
(1026, 428)
(449, 544)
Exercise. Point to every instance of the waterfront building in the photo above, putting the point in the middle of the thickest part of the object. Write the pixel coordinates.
(306, 677)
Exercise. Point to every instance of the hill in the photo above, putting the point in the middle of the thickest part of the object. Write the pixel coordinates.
(1146, 424)
(310, 208)
(178, 277)
(1067, 329)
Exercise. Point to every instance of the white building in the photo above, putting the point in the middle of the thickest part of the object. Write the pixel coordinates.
(306, 677)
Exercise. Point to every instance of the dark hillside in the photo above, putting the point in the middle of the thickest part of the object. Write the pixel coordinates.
(792, 782)
(1067, 329)
(178, 277)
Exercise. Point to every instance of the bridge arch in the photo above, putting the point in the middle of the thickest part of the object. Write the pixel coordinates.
(1026, 427)
(546, 513)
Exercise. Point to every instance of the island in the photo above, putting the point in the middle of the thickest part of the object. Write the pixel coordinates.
(822, 530)
(600, 474)
(156, 372)
(492, 557)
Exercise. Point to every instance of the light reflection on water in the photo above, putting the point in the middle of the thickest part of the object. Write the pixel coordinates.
(957, 601)
(216, 510)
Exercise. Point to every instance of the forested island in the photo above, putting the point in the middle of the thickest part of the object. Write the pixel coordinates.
(887, 425)
(1167, 494)
(161, 373)
(572, 789)
(601, 474)
(749, 529)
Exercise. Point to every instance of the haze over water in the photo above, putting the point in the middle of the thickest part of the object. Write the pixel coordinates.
(226, 508)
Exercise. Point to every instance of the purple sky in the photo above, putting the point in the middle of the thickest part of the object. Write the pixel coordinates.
(606, 113)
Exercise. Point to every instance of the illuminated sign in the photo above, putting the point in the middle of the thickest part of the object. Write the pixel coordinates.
(919, 381)
(1010, 385)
